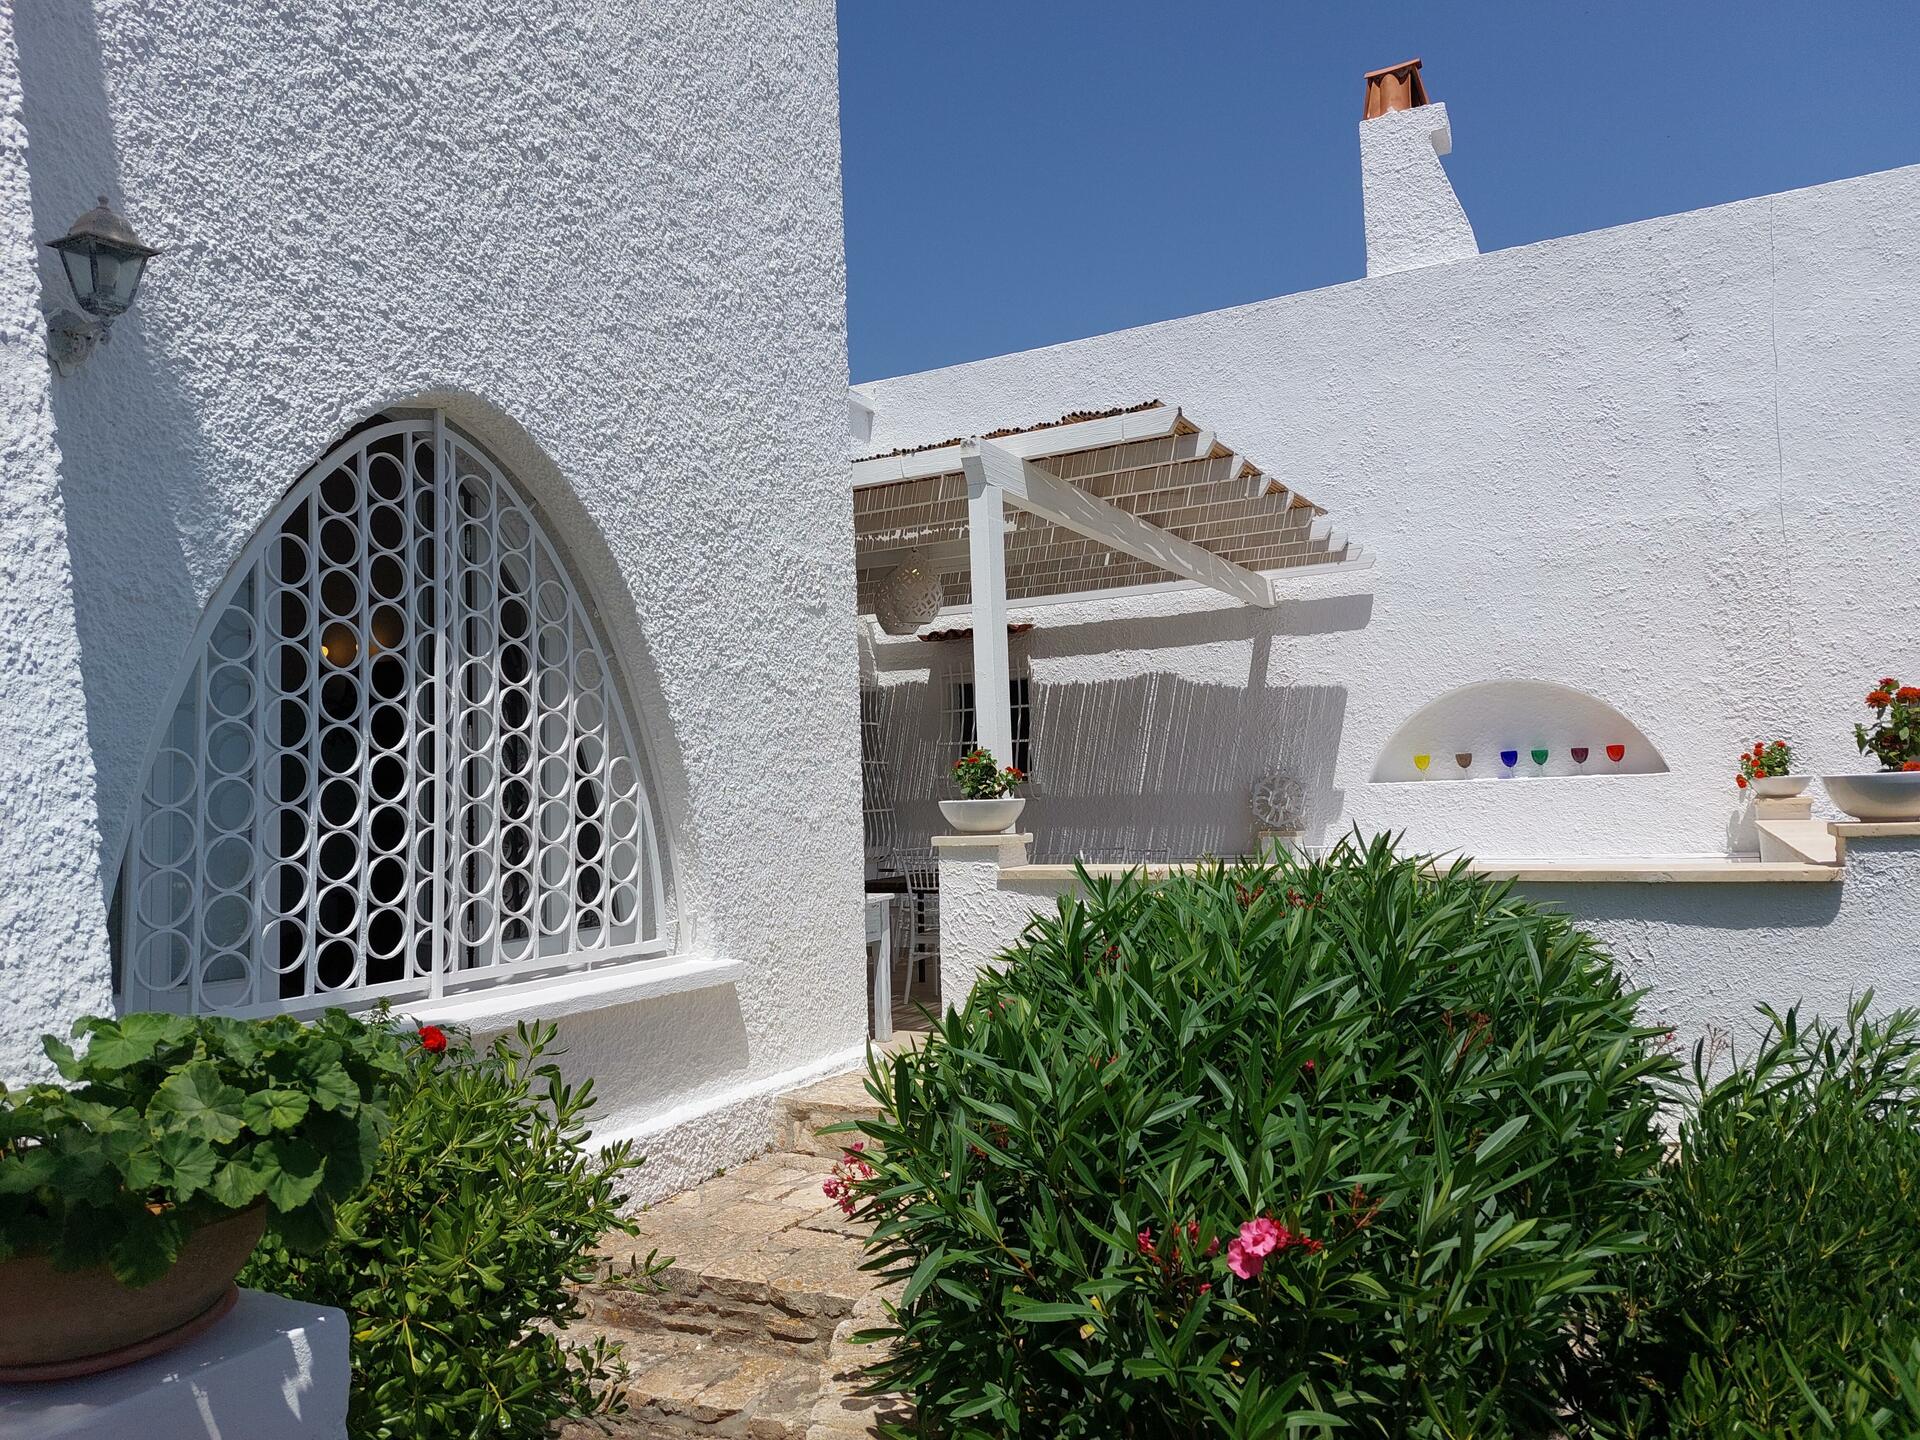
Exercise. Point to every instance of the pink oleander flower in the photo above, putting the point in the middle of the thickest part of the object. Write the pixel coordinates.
(1242, 1261)
(1260, 1236)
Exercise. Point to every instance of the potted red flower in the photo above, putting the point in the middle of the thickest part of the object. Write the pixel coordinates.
(1763, 771)
(988, 804)
(1893, 739)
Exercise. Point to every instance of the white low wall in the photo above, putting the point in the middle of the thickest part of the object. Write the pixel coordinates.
(1706, 943)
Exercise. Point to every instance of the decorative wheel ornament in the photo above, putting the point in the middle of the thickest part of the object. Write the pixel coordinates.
(909, 597)
(1279, 802)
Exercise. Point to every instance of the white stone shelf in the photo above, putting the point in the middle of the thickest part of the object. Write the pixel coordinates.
(272, 1369)
(1639, 870)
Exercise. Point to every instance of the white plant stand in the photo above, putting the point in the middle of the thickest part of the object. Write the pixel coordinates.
(272, 1368)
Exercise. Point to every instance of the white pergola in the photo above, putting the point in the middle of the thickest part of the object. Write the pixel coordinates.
(1145, 487)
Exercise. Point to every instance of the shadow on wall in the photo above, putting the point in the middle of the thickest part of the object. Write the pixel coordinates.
(1151, 766)
(1612, 910)
(1291, 619)
(131, 454)
(1155, 766)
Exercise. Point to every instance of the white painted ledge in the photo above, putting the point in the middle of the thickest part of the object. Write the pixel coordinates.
(1656, 871)
(959, 844)
(498, 1007)
(273, 1367)
(1625, 871)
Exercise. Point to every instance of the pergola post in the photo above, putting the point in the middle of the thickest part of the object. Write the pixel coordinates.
(987, 563)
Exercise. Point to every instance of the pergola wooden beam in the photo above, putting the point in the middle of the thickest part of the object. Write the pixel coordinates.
(1023, 483)
(1151, 424)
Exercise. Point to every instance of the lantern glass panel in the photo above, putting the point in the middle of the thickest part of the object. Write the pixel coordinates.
(79, 275)
(116, 276)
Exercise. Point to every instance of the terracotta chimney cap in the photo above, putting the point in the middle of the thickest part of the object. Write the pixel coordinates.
(1396, 87)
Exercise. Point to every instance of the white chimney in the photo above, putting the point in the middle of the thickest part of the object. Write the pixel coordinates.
(1413, 217)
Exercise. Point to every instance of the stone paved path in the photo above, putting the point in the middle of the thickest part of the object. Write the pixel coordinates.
(750, 1336)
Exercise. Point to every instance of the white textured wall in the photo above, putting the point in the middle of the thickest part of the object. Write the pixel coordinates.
(1665, 464)
(1413, 217)
(607, 238)
(52, 946)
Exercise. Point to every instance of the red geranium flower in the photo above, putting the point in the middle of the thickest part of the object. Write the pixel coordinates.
(1741, 781)
(1911, 765)
(433, 1039)
(1907, 694)
(1877, 698)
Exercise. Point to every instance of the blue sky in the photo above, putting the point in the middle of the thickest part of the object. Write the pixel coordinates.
(1020, 172)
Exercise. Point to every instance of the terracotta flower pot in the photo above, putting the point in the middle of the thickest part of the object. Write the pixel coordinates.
(56, 1324)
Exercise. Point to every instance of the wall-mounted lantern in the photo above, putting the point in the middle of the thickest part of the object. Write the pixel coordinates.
(104, 261)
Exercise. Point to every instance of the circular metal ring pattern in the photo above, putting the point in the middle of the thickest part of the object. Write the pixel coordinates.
(399, 716)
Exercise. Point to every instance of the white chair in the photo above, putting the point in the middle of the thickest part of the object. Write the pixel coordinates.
(923, 919)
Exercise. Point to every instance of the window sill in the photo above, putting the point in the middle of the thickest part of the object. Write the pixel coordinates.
(501, 1006)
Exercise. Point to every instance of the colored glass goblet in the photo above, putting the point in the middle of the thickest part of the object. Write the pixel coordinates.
(1616, 753)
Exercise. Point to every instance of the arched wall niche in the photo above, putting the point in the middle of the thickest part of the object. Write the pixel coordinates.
(404, 754)
(1516, 730)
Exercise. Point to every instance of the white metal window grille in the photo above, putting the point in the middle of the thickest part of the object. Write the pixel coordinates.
(399, 761)
(963, 724)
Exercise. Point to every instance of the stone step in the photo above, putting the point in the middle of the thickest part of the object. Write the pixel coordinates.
(680, 1385)
(759, 1253)
(833, 1101)
(748, 1333)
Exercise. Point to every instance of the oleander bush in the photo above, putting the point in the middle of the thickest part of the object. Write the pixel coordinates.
(456, 1263)
(163, 1124)
(1343, 1146)
(1780, 1292)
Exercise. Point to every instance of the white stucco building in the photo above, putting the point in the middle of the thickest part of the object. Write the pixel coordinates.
(445, 587)
(426, 498)
(1635, 488)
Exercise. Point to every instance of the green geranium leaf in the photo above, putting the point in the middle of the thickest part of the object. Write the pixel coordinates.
(237, 1040)
(189, 1163)
(26, 1172)
(132, 1154)
(134, 1039)
(84, 1175)
(236, 1185)
(268, 1110)
(147, 1246)
(62, 1056)
(196, 1101)
(332, 1088)
(292, 1170)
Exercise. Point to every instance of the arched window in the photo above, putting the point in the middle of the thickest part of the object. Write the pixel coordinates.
(399, 761)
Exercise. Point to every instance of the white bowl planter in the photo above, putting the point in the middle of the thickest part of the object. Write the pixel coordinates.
(983, 817)
(1893, 795)
(1779, 787)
